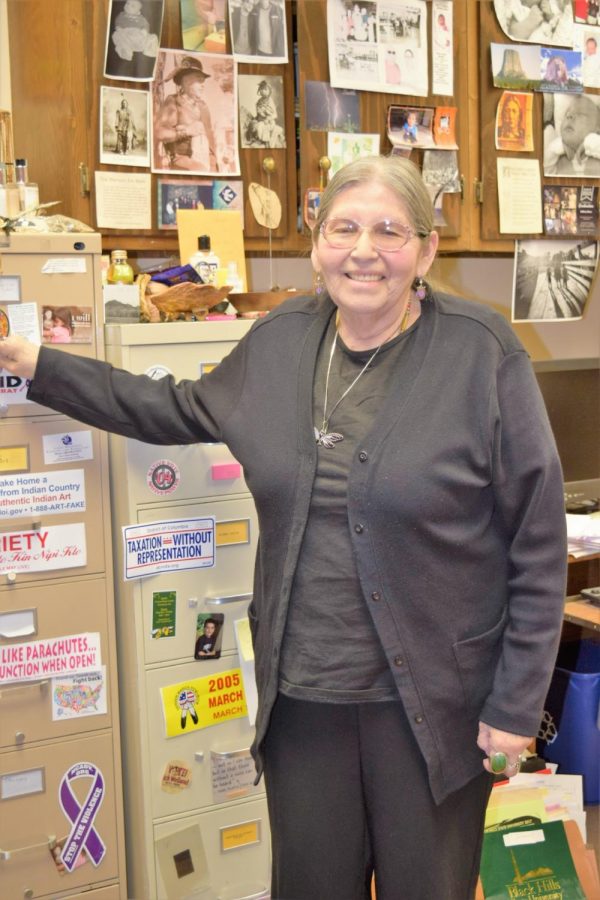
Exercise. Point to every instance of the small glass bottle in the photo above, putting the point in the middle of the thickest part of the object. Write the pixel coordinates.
(119, 271)
(204, 261)
(233, 279)
(9, 194)
(29, 194)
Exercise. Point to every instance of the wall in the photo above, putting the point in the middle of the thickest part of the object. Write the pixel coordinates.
(482, 278)
(485, 278)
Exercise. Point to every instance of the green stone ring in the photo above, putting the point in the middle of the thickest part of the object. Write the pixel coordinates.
(498, 762)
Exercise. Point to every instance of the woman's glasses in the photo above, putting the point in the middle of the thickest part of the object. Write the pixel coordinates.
(387, 236)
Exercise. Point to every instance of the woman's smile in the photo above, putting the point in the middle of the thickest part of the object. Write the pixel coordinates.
(364, 276)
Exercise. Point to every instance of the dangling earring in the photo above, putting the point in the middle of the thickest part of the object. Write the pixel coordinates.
(319, 285)
(419, 286)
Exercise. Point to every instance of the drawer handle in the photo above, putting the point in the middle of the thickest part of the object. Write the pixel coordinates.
(11, 689)
(262, 893)
(26, 631)
(233, 598)
(7, 855)
(230, 754)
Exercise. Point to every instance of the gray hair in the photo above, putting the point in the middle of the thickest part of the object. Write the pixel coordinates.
(396, 173)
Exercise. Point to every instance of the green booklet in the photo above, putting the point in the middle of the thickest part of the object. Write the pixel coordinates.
(530, 863)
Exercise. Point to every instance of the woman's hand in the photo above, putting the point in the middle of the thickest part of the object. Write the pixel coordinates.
(18, 356)
(490, 740)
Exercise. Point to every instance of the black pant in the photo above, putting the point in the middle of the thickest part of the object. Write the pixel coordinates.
(348, 795)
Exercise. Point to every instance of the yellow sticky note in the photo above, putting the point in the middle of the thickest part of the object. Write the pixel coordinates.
(244, 639)
(241, 835)
(234, 532)
(14, 459)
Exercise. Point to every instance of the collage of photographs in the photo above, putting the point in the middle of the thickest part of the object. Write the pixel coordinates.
(194, 112)
(553, 52)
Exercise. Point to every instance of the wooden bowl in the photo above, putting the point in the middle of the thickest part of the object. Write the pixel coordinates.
(261, 301)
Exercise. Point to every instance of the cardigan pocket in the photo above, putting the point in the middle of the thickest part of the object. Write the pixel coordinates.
(476, 658)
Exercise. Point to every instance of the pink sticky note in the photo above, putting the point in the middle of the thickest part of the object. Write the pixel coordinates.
(222, 471)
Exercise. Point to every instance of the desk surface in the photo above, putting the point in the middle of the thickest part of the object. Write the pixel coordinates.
(582, 612)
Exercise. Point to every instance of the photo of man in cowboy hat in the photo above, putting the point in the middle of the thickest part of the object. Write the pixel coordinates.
(194, 122)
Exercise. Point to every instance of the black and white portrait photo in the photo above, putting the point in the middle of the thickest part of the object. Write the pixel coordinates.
(261, 111)
(132, 39)
(124, 127)
(194, 114)
(537, 21)
(572, 135)
(258, 31)
(552, 279)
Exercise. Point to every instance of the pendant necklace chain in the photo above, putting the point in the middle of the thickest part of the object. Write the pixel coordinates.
(322, 436)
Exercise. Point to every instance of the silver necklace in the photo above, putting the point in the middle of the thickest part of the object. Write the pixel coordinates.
(328, 439)
(322, 437)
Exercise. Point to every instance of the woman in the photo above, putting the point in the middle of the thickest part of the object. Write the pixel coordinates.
(263, 127)
(410, 502)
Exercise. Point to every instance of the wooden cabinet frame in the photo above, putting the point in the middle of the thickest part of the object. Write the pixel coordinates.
(57, 57)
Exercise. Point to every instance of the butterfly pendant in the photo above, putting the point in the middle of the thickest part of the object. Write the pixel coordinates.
(324, 439)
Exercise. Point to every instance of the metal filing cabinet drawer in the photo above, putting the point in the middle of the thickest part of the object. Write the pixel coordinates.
(195, 748)
(31, 816)
(50, 496)
(105, 893)
(198, 470)
(224, 589)
(54, 610)
(228, 847)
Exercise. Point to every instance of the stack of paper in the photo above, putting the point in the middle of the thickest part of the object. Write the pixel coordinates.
(541, 796)
(534, 842)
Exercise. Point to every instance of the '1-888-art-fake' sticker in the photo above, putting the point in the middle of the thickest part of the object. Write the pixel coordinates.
(163, 477)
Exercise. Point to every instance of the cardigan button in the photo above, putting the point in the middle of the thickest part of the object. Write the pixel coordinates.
(398, 661)
(418, 719)
(375, 595)
(363, 456)
(359, 528)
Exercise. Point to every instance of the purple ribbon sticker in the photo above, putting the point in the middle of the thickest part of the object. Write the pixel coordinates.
(82, 834)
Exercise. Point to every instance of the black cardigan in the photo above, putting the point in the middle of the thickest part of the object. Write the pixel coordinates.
(455, 506)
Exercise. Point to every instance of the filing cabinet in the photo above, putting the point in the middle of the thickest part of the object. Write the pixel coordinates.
(61, 803)
(196, 823)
